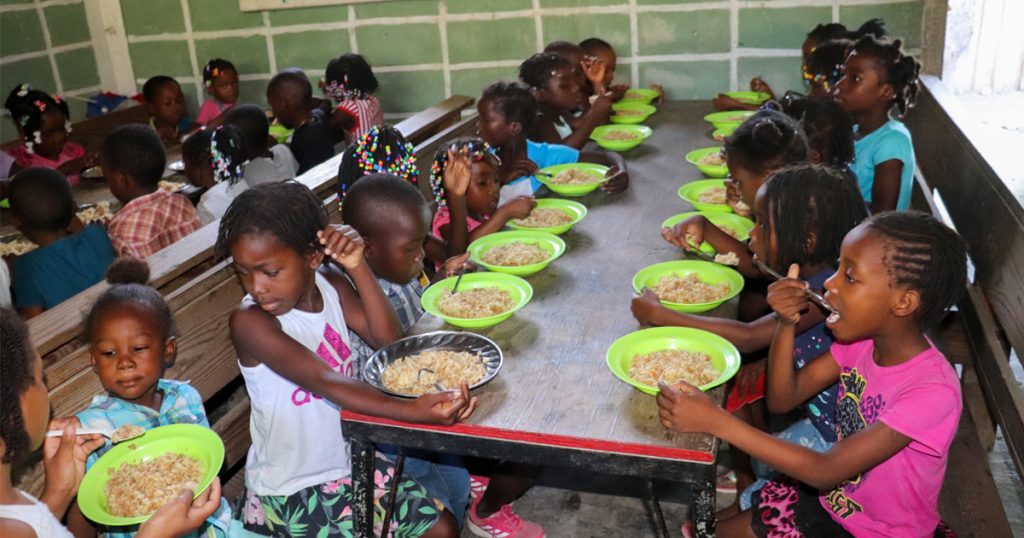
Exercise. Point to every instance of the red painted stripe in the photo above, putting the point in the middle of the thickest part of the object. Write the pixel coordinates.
(545, 439)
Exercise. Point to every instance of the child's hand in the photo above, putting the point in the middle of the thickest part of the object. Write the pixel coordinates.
(457, 172)
(445, 408)
(787, 297)
(182, 515)
(618, 91)
(518, 169)
(647, 308)
(688, 234)
(64, 457)
(518, 207)
(343, 245)
(594, 69)
(684, 408)
(724, 102)
(746, 377)
(661, 92)
(618, 180)
(453, 265)
(602, 105)
(757, 84)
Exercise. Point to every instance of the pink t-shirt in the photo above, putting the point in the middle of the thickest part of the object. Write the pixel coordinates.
(920, 399)
(211, 109)
(71, 151)
(443, 217)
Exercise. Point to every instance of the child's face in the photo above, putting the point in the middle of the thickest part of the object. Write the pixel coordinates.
(53, 132)
(225, 86)
(762, 236)
(610, 59)
(198, 172)
(484, 191)
(563, 91)
(277, 277)
(745, 180)
(494, 128)
(168, 107)
(280, 108)
(35, 404)
(130, 352)
(862, 87)
(397, 256)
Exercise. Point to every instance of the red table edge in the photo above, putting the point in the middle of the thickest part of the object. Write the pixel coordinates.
(545, 439)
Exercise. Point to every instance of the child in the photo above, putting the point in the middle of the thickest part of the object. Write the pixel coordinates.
(556, 86)
(828, 128)
(214, 160)
(43, 125)
(898, 403)
(266, 164)
(25, 411)
(70, 258)
(221, 80)
(151, 218)
(507, 112)
(349, 83)
(290, 96)
(803, 212)
(167, 107)
(605, 54)
(132, 341)
(291, 334)
(877, 78)
(382, 150)
(824, 67)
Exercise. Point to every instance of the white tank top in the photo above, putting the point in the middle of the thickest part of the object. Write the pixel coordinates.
(36, 515)
(296, 435)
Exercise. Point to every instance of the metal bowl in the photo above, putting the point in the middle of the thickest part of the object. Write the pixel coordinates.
(434, 341)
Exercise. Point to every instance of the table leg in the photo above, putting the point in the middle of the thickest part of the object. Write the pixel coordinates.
(362, 486)
(659, 517)
(704, 504)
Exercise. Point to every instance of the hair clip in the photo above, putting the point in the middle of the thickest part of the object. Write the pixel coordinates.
(38, 137)
(28, 148)
(23, 89)
(67, 126)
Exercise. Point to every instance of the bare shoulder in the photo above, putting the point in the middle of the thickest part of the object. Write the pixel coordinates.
(12, 528)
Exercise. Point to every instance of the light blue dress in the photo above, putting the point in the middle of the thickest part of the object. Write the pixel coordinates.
(890, 141)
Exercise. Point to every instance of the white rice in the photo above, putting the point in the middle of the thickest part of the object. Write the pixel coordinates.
(712, 195)
(673, 366)
(573, 176)
(544, 217)
(689, 290)
(514, 254)
(137, 489)
(474, 303)
(712, 159)
(450, 369)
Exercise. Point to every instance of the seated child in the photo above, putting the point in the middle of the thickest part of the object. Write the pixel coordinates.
(43, 126)
(290, 96)
(828, 128)
(266, 164)
(26, 411)
(507, 112)
(879, 81)
(70, 257)
(605, 54)
(557, 88)
(899, 400)
(291, 333)
(132, 341)
(824, 67)
(214, 160)
(167, 107)
(151, 218)
(221, 80)
(349, 83)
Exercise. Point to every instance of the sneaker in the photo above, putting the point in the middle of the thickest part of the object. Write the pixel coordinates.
(477, 485)
(726, 482)
(502, 524)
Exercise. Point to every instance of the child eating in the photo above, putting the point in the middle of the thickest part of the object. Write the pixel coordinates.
(43, 126)
(221, 81)
(265, 164)
(214, 160)
(349, 83)
(290, 96)
(557, 88)
(166, 103)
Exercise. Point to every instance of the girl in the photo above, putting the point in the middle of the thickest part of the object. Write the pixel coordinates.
(825, 66)
(349, 82)
(898, 403)
(877, 78)
(828, 128)
(291, 333)
(215, 160)
(556, 86)
(803, 212)
(26, 408)
(43, 125)
(381, 150)
(464, 178)
(221, 80)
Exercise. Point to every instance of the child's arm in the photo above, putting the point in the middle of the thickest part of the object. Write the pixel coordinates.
(342, 120)
(516, 208)
(885, 192)
(757, 84)
(618, 173)
(78, 524)
(596, 115)
(64, 464)
(594, 70)
(690, 233)
(724, 102)
(457, 175)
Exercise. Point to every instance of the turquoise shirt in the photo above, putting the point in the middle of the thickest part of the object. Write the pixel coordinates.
(50, 275)
(890, 141)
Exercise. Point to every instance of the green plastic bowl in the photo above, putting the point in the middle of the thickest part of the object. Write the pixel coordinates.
(711, 273)
(719, 135)
(724, 356)
(710, 170)
(645, 112)
(742, 225)
(639, 95)
(575, 210)
(642, 132)
(192, 440)
(550, 243)
(749, 98)
(519, 289)
(691, 193)
(573, 190)
(728, 118)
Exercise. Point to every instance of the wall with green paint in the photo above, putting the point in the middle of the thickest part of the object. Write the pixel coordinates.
(425, 50)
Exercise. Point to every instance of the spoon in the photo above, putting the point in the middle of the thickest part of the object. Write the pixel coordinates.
(437, 384)
(810, 293)
(459, 279)
(121, 434)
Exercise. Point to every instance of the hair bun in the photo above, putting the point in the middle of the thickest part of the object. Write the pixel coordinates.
(128, 271)
(766, 132)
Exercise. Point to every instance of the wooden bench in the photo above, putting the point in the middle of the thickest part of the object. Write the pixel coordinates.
(957, 184)
(201, 292)
(91, 132)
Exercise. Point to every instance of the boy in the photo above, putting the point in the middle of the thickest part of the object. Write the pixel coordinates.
(70, 258)
(166, 104)
(266, 164)
(290, 96)
(151, 218)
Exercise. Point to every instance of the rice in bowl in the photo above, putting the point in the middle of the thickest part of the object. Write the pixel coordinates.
(482, 302)
(713, 195)
(689, 290)
(573, 176)
(137, 489)
(712, 159)
(515, 254)
(672, 366)
(619, 135)
(544, 217)
(448, 368)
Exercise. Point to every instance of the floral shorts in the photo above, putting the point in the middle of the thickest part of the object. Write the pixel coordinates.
(326, 509)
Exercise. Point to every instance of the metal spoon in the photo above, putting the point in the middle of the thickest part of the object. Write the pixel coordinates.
(810, 293)
(437, 384)
(459, 279)
(106, 432)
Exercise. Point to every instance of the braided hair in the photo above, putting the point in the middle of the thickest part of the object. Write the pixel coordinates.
(901, 70)
(825, 64)
(540, 68)
(382, 150)
(27, 106)
(828, 128)
(16, 371)
(128, 279)
(809, 198)
(923, 254)
(287, 210)
(514, 101)
(215, 68)
(834, 30)
(349, 76)
(222, 149)
(765, 141)
(478, 151)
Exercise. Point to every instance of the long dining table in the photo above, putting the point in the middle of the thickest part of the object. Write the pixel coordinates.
(554, 401)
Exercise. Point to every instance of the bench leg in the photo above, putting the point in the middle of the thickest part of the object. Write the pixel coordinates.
(659, 518)
(362, 486)
(704, 504)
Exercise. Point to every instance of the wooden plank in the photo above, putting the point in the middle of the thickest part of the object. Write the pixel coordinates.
(232, 484)
(425, 124)
(233, 429)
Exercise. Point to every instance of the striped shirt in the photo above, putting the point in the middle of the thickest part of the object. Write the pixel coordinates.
(366, 113)
(151, 222)
(405, 299)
